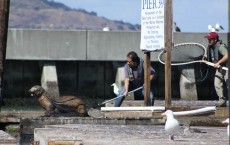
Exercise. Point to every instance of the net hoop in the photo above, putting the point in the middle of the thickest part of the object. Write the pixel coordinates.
(184, 63)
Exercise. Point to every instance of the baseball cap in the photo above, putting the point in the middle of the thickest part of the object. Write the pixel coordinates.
(212, 35)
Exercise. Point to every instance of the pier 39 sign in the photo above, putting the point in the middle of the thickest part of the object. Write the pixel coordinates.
(152, 25)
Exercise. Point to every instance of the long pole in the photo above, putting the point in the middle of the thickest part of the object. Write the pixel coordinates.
(147, 79)
(228, 38)
(120, 96)
(168, 46)
(4, 17)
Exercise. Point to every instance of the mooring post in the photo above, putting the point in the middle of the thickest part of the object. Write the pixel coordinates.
(228, 38)
(147, 79)
(4, 17)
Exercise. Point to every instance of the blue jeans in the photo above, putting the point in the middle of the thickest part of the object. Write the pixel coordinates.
(138, 95)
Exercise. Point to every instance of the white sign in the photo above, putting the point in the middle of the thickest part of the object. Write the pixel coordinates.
(152, 25)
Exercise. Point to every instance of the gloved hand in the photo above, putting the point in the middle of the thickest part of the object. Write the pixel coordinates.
(205, 58)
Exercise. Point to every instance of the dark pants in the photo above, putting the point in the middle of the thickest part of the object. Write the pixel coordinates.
(138, 95)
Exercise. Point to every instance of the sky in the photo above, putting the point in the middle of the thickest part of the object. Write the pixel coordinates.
(189, 15)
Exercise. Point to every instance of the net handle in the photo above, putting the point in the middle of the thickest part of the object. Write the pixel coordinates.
(212, 64)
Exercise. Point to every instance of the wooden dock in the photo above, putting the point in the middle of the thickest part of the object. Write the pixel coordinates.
(89, 134)
(30, 118)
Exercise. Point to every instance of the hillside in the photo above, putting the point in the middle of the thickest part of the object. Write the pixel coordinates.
(46, 14)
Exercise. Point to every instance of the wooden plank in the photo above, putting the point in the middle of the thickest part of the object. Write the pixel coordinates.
(7, 119)
(201, 121)
(65, 142)
(221, 112)
(128, 114)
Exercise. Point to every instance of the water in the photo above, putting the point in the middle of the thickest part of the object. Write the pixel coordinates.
(25, 139)
(14, 131)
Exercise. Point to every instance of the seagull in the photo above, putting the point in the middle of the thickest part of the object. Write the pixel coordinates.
(115, 89)
(176, 28)
(227, 121)
(106, 29)
(188, 130)
(171, 125)
(219, 27)
(212, 29)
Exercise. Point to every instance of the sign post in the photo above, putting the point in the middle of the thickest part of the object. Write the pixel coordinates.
(152, 36)
(168, 47)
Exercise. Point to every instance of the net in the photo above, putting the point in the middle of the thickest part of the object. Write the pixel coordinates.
(184, 53)
(187, 53)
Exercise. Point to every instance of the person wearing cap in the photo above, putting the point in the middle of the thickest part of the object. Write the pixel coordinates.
(218, 54)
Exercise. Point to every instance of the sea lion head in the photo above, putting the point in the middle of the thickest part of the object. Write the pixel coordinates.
(36, 91)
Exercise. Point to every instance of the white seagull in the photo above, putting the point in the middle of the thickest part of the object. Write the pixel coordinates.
(210, 27)
(219, 27)
(115, 89)
(227, 121)
(171, 125)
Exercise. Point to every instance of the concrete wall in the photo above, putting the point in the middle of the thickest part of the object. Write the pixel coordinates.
(46, 45)
(86, 61)
(83, 45)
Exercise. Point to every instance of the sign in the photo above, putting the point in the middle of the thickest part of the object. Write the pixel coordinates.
(152, 25)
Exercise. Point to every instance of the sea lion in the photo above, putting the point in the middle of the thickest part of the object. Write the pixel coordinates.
(61, 103)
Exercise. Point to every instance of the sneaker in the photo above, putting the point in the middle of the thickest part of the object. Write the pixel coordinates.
(221, 103)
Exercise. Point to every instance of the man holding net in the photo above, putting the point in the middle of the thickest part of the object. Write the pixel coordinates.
(218, 54)
(134, 79)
